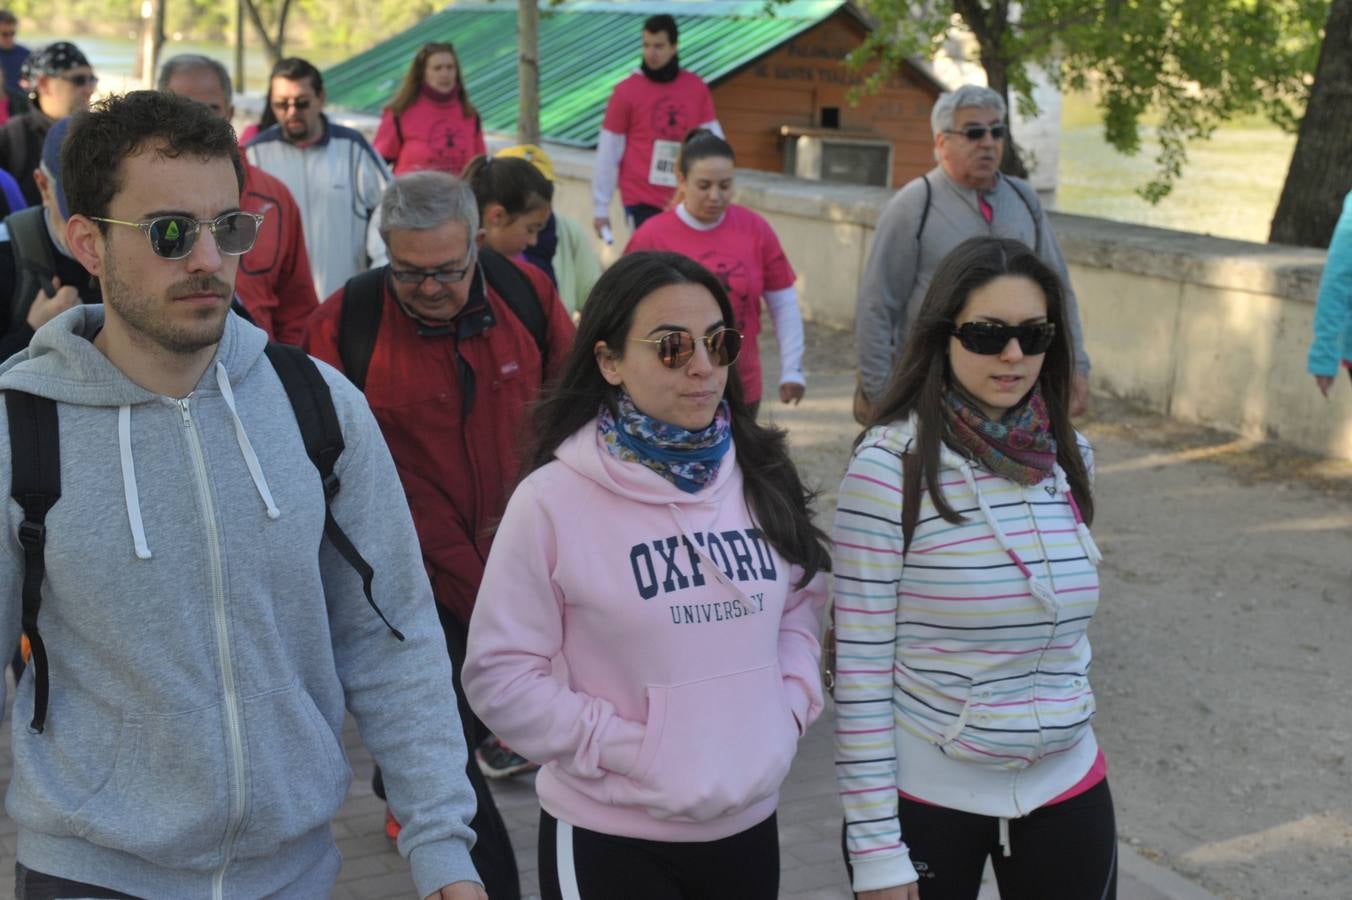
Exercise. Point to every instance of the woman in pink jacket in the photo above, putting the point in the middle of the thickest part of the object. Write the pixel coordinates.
(647, 627)
(430, 123)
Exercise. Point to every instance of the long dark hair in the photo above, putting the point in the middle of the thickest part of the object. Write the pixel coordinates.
(921, 375)
(413, 80)
(774, 493)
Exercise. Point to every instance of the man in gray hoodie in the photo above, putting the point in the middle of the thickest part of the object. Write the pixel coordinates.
(202, 636)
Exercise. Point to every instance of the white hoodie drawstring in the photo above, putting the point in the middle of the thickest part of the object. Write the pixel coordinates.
(138, 531)
(1036, 586)
(246, 448)
(1091, 550)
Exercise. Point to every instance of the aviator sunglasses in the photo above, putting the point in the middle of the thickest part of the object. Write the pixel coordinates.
(975, 133)
(676, 348)
(991, 338)
(173, 237)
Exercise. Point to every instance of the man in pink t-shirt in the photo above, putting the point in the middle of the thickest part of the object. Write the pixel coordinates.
(647, 117)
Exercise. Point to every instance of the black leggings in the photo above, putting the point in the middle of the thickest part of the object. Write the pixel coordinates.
(744, 866)
(1066, 851)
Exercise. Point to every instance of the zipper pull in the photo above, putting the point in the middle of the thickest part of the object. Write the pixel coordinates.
(185, 409)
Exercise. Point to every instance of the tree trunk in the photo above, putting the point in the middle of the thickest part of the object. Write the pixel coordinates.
(1320, 176)
(989, 27)
(273, 51)
(528, 72)
(152, 39)
(239, 46)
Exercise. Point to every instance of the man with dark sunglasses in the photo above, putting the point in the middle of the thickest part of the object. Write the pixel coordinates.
(334, 174)
(964, 196)
(450, 367)
(200, 637)
(61, 82)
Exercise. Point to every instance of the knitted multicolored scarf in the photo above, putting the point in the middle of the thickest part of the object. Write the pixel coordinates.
(1020, 447)
(688, 459)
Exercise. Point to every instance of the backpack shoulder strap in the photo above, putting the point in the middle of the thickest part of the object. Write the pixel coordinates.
(33, 259)
(35, 483)
(312, 403)
(1032, 214)
(924, 213)
(910, 498)
(516, 290)
(359, 322)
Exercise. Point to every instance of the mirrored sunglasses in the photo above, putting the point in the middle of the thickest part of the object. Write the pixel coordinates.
(676, 348)
(977, 132)
(991, 338)
(173, 237)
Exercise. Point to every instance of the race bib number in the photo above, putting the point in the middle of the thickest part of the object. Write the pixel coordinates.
(662, 172)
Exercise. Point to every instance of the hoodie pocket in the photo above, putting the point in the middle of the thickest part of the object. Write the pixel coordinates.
(712, 747)
(165, 798)
(298, 774)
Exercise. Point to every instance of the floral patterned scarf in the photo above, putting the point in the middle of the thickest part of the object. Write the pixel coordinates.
(688, 459)
(1020, 447)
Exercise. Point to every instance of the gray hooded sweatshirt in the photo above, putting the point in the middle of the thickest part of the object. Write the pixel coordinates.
(204, 639)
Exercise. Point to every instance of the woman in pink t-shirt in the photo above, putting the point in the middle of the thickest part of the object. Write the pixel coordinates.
(430, 123)
(740, 249)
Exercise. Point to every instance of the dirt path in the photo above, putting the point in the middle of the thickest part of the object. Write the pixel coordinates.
(1221, 645)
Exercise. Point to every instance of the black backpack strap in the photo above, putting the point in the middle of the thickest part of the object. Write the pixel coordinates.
(35, 483)
(318, 420)
(924, 212)
(1032, 214)
(359, 322)
(519, 294)
(34, 263)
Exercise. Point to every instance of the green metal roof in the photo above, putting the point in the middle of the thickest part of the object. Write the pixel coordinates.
(586, 48)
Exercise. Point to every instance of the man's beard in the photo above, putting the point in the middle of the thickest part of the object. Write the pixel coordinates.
(149, 316)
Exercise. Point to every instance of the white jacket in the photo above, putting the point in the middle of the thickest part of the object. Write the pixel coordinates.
(337, 182)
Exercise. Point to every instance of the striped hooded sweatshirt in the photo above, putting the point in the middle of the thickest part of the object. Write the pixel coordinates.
(962, 666)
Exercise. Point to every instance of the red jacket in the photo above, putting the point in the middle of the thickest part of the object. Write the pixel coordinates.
(274, 281)
(456, 441)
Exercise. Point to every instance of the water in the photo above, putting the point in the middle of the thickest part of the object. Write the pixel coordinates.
(1229, 188)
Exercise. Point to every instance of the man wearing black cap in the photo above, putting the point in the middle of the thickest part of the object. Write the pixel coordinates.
(61, 82)
(39, 278)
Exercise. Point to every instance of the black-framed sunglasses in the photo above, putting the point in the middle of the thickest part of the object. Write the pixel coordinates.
(975, 133)
(676, 348)
(991, 338)
(82, 80)
(440, 276)
(173, 237)
(301, 105)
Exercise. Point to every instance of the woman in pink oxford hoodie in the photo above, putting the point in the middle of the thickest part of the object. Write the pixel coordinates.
(741, 249)
(430, 123)
(647, 627)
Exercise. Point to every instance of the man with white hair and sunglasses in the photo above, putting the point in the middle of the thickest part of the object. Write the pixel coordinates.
(964, 196)
(207, 614)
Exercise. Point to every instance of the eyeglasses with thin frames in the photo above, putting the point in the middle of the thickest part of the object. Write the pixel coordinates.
(443, 276)
(173, 237)
(676, 348)
(975, 133)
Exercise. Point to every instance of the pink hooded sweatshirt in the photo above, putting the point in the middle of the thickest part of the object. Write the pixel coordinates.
(687, 661)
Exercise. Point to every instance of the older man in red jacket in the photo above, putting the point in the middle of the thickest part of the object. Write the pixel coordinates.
(451, 343)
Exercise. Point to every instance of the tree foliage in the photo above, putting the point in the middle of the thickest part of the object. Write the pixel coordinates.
(1177, 67)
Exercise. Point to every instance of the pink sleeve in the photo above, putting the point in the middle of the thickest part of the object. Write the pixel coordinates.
(386, 141)
(707, 111)
(514, 635)
(643, 239)
(778, 273)
(800, 649)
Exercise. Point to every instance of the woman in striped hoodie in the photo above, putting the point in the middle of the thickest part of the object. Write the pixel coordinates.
(962, 697)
